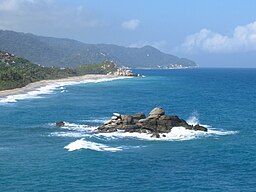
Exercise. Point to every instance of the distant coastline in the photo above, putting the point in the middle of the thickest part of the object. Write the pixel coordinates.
(33, 86)
(170, 68)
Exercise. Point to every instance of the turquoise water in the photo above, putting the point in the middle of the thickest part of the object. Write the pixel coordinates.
(37, 156)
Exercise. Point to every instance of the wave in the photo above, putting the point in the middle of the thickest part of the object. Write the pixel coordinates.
(4, 148)
(193, 119)
(73, 130)
(78, 127)
(49, 89)
(83, 144)
(68, 134)
(89, 132)
(176, 134)
(94, 121)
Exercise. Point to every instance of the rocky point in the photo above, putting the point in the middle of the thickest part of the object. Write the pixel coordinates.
(156, 123)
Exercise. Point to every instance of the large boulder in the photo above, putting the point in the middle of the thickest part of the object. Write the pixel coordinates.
(127, 119)
(158, 111)
(139, 116)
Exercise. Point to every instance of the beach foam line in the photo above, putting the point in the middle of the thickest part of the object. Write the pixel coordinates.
(83, 144)
(37, 89)
(48, 89)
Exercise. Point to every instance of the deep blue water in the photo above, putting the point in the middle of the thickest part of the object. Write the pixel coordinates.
(33, 157)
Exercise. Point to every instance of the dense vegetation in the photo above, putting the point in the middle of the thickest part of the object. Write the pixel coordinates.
(100, 68)
(70, 53)
(17, 72)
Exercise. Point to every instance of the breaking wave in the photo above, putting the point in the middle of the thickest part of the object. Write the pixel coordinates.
(49, 89)
(68, 134)
(73, 130)
(89, 132)
(78, 127)
(177, 134)
(193, 119)
(83, 144)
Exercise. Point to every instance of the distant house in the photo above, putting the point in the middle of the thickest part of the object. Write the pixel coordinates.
(6, 55)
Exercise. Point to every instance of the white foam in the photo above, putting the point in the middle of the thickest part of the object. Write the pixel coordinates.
(49, 89)
(68, 134)
(94, 120)
(78, 127)
(176, 134)
(83, 144)
(193, 119)
(220, 132)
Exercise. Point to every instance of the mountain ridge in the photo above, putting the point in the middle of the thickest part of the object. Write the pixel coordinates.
(64, 52)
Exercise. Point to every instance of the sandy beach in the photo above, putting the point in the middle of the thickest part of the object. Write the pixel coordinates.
(33, 86)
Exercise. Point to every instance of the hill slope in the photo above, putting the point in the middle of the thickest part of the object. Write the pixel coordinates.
(60, 52)
(17, 72)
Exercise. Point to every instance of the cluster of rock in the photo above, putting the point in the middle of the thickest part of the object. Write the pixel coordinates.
(157, 123)
(124, 72)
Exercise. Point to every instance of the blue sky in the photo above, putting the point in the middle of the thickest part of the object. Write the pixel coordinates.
(214, 33)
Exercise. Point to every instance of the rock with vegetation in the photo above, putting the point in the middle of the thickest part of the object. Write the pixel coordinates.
(16, 72)
(157, 123)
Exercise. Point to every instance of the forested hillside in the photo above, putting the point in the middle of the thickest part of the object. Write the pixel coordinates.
(17, 72)
(61, 52)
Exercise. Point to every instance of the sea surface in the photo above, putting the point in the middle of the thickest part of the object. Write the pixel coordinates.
(35, 155)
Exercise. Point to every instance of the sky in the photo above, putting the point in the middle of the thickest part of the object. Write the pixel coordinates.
(213, 33)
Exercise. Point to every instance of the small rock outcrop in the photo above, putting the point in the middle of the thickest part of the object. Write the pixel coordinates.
(156, 123)
(124, 72)
(60, 124)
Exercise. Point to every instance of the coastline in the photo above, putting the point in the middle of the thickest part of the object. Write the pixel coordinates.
(38, 84)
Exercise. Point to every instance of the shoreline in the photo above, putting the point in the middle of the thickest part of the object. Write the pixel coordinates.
(38, 84)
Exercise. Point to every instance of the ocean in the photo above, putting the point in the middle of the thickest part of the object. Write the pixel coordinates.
(35, 155)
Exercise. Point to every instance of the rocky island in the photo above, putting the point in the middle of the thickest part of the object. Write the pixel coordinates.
(157, 123)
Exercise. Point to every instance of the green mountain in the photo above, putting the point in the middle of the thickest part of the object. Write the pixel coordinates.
(49, 51)
(17, 72)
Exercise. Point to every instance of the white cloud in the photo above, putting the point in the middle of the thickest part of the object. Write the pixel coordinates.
(243, 39)
(131, 24)
(43, 16)
(157, 44)
(13, 5)
(8, 5)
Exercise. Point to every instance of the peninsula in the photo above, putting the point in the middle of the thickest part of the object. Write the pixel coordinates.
(19, 75)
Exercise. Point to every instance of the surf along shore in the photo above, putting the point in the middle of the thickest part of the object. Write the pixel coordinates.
(38, 84)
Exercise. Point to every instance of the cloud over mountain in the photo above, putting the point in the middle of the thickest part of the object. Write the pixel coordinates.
(242, 39)
(131, 24)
